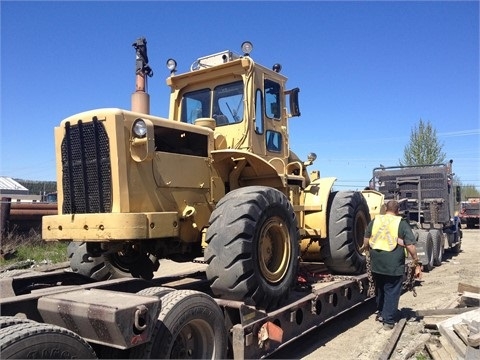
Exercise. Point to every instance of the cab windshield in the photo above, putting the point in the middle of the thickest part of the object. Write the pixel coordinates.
(224, 103)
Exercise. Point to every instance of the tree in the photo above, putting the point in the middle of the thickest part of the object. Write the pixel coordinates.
(469, 191)
(424, 147)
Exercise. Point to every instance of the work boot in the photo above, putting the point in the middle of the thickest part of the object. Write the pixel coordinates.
(388, 326)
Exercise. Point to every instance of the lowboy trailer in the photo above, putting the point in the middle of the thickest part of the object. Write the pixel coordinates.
(131, 317)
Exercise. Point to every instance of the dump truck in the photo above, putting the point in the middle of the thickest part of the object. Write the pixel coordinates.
(428, 201)
(214, 183)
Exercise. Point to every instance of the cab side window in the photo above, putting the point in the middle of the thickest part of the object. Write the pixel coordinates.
(272, 99)
(258, 112)
(273, 141)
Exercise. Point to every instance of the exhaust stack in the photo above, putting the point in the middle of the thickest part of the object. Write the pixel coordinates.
(141, 98)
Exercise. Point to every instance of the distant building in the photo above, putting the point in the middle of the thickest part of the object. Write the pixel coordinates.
(10, 188)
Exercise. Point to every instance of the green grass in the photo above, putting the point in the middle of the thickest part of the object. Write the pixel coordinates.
(22, 247)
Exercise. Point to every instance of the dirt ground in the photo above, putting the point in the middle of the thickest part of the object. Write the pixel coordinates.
(356, 334)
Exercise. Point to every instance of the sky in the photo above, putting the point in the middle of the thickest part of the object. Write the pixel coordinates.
(367, 72)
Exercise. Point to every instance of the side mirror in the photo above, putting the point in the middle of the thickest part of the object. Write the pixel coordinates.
(458, 194)
(293, 102)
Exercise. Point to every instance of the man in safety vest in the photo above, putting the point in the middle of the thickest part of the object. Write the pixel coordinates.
(387, 236)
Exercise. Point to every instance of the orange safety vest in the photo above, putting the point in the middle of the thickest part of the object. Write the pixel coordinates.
(385, 232)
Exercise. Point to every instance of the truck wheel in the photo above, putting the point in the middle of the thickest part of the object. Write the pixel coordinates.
(158, 291)
(190, 326)
(42, 341)
(438, 246)
(6, 321)
(348, 218)
(253, 246)
(456, 248)
(425, 242)
(113, 265)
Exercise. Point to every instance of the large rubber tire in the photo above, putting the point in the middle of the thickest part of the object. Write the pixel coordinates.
(438, 246)
(190, 326)
(456, 248)
(42, 341)
(426, 241)
(158, 291)
(253, 247)
(6, 321)
(108, 265)
(348, 218)
(85, 263)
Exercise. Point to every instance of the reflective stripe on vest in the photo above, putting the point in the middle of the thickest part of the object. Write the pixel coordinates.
(385, 232)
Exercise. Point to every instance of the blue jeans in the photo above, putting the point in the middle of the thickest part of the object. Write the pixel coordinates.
(388, 289)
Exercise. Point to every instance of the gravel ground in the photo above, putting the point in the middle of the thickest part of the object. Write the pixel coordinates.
(356, 335)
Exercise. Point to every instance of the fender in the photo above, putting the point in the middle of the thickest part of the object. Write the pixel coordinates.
(242, 168)
(375, 201)
(316, 206)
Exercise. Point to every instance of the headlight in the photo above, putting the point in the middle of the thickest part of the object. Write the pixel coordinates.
(171, 65)
(139, 128)
(247, 48)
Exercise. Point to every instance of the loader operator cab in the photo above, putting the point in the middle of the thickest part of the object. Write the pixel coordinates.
(243, 102)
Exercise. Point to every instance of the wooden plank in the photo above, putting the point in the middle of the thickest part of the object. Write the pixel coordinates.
(392, 342)
(462, 332)
(469, 316)
(467, 287)
(474, 339)
(470, 299)
(431, 322)
(454, 311)
(453, 340)
(437, 353)
(472, 354)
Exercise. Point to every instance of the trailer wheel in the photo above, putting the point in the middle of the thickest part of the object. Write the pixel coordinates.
(113, 265)
(426, 242)
(253, 246)
(348, 218)
(42, 341)
(6, 321)
(158, 291)
(438, 246)
(190, 326)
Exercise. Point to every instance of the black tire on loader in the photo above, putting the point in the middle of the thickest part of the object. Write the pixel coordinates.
(253, 246)
(85, 263)
(190, 326)
(42, 341)
(109, 265)
(348, 218)
(438, 246)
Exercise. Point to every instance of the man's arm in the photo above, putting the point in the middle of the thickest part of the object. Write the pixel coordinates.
(412, 250)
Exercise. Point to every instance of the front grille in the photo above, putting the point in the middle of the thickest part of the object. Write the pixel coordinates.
(87, 175)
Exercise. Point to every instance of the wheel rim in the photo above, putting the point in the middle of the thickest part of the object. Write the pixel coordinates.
(360, 227)
(274, 250)
(196, 340)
